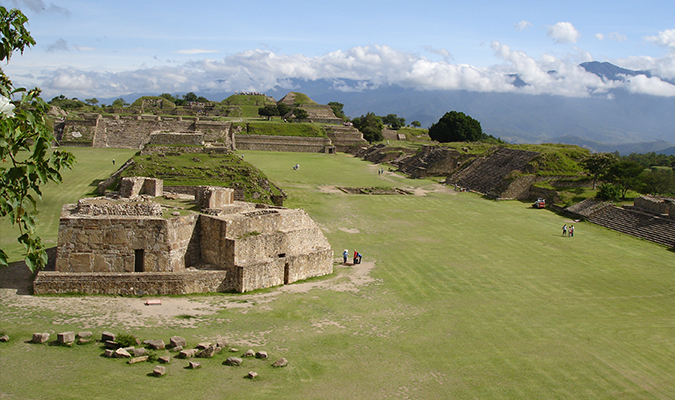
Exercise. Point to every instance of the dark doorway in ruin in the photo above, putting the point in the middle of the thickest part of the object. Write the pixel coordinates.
(286, 273)
(139, 255)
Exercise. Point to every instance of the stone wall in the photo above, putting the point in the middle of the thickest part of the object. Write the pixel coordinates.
(132, 187)
(106, 244)
(184, 241)
(177, 138)
(134, 132)
(520, 188)
(282, 143)
(138, 284)
(656, 205)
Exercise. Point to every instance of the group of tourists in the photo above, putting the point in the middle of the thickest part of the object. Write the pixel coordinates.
(357, 257)
(380, 171)
(296, 167)
(568, 231)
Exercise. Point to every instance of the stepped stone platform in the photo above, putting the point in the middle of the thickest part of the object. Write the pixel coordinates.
(487, 175)
(345, 137)
(635, 223)
(637, 220)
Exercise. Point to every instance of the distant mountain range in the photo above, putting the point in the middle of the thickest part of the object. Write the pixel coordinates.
(626, 123)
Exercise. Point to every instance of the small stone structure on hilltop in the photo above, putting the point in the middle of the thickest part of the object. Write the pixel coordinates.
(132, 245)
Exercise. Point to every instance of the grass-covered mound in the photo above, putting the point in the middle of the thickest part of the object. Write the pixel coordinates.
(195, 169)
(278, 128)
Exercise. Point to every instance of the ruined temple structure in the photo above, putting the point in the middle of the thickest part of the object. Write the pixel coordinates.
(133, 245)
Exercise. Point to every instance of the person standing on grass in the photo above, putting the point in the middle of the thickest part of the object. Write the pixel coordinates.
(355, 255)
(571, 230)
(565, 230)
(358, 257)
(345, 254)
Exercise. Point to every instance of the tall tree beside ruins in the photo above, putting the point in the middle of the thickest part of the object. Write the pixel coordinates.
(597, 164)
(456, 126)
(24, 129)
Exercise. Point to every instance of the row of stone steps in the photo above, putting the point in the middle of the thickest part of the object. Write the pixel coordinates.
(486, 174)
(646, 226)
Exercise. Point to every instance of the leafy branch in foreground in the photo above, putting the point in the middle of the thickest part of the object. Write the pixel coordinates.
(26, 162)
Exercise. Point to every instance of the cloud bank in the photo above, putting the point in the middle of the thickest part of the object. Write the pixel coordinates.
(366, 67)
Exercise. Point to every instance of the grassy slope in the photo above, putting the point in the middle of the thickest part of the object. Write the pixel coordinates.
(91, 166)
(473, 299)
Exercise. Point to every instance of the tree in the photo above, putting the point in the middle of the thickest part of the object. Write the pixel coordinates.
(190, 97)
(300, 113)
(119, 103)
(24, 129)
(597, 164)
(658, 181)
(624, 175)
(607, 191)
(394, 121)
(416, 124)
(337, 109)
(168, 96)
(456, 127)
(283, 109)
(91, 102)
(371, 127)
(268, 111)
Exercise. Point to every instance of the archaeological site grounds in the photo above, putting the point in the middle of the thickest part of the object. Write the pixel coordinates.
(458, 296)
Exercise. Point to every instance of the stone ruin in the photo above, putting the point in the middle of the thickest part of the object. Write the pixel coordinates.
(132, 246)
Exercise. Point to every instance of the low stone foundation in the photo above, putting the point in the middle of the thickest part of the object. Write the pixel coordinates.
(138, 284)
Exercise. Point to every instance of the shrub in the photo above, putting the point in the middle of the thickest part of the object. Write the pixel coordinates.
(125, 340)
(607, 191)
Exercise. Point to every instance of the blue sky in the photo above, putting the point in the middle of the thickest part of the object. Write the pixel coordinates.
(112, 48)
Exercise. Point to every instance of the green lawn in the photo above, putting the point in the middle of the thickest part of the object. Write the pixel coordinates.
(471, 299)
(91, 166)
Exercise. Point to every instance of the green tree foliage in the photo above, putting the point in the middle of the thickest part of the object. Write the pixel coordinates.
(119, 103)
(625, 175)
(268, 111)
(657, 180)
(92, 101)
(394, 121)
(607, 191)
(416, 124)
(65, 103)
(300, 113)
(371, 126)
(26, 162)
(169, 97)
(283, 109)
(190, 97)
(456, 126)
(337, 109)
(597, 164)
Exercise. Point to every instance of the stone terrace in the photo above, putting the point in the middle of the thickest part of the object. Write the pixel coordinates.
(635, 223)
(345, 137)
(486, 174)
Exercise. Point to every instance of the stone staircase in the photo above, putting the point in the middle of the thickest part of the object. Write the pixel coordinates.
(344, 137)
(487, 174)
(636, 223)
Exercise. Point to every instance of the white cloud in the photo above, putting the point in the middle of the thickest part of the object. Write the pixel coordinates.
(195, 51)
(356, 69)
(600, 36)
(442, 52)
(665, 38)
(522, 25)
(564, 32)
(617, 37)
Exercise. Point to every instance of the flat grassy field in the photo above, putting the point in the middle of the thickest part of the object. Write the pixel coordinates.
(92, 165)
(467, 298)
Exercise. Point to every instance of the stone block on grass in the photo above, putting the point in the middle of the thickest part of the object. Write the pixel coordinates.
(137, 360)
(177, 341)
(155, 344)
(282, 362)
(159, 371)
(40, 338)
(234, 361)
(107, 336)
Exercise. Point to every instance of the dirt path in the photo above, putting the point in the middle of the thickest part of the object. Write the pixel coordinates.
(91, 312)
